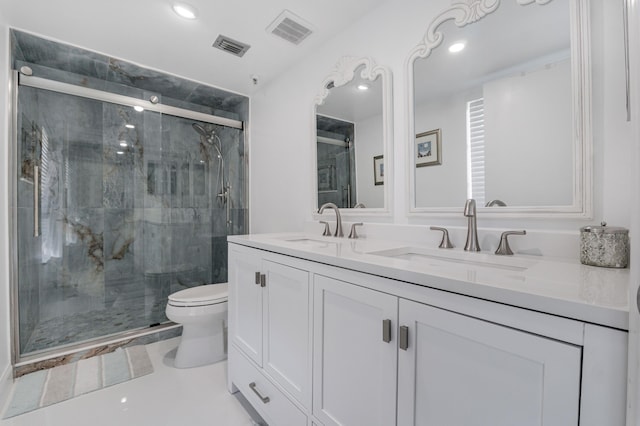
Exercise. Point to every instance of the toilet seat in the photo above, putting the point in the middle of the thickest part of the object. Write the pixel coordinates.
(203, 295)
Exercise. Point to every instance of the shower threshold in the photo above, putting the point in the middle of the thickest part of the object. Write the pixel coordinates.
(75, 352)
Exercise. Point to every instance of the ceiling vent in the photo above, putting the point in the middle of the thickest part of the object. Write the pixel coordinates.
(290, 27)
(230, 45)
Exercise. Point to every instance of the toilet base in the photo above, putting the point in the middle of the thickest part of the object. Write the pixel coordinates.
(202, 344)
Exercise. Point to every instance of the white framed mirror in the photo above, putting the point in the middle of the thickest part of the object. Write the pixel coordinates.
(504, 117)
(352, 136)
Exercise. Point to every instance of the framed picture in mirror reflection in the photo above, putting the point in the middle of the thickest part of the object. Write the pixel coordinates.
(378, 170)
(428, 148)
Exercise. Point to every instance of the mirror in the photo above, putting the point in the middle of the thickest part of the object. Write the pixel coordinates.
(505, 119)
(352, 137)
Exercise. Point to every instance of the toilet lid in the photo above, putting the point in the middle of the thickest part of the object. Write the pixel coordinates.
(200, 295)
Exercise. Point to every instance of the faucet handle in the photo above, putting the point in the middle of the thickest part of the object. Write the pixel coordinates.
(503, 248)
(327, 230)
(446, 242)
(353, 234)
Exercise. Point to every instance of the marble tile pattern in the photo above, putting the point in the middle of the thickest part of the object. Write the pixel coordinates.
(64, 62)
(128, 214)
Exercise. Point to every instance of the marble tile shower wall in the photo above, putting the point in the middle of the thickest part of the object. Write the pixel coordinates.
(121, 227)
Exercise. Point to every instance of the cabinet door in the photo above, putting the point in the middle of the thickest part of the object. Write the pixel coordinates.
(287, 341)
(354, 369)
(459, 370)
(245, 302)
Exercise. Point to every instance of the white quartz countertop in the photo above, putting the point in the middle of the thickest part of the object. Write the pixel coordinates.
(556, 286)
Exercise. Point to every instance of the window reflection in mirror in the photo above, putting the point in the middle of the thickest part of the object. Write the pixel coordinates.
(503, 102)
(350, 133)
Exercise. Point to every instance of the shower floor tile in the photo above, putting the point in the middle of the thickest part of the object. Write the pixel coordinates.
(90, 325)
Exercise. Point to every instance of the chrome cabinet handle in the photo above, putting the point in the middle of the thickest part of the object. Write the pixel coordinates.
(264, 399)
(258, 278)
(386, 330)
(36, 201)
(404, 338)
(263, 280)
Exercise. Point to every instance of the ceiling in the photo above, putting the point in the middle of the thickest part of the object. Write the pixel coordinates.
(149, 33)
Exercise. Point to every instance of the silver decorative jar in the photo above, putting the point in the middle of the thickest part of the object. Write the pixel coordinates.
(606, 246)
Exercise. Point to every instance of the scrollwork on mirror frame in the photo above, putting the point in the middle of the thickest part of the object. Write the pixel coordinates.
(344, 72)
(463, 13)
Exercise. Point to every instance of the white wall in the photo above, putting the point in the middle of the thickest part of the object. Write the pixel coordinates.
(5, 358)
(368, 144)
(446, 184)
(382, 34)
(518, 147)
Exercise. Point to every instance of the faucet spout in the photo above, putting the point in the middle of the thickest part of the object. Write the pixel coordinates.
(472, 230)
(335, 208)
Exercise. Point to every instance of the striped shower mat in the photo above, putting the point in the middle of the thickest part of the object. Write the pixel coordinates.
(46, 387)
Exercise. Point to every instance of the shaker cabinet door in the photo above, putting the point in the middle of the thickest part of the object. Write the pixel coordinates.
(355, 358)
(287, 322)
(245, 302)
(458, 370)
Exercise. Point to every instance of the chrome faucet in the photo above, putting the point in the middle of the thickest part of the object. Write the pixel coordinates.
(472, 230)
(335, 208)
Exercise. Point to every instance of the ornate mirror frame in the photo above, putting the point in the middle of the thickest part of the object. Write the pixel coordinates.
(466, 12)
(343, 73)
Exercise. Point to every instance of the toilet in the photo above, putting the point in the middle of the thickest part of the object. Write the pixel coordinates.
(202, 311)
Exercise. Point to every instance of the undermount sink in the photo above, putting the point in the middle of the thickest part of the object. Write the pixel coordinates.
(442, 258)
(311, 242)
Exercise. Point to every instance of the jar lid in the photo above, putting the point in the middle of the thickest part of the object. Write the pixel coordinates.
(604, 229)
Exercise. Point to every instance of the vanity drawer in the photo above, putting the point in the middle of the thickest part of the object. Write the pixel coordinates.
(263, 395)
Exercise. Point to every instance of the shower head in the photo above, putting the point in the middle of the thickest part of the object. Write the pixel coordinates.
(202, 131)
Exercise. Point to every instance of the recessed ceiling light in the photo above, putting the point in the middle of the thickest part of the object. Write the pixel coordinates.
(138, 108)
(119, 152)
(185, 11)
(456, 47)
(123, 143)
(363, 87)
(129, 126)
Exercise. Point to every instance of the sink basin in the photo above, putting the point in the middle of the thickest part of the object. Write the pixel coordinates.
(311, 242)
(448, 258)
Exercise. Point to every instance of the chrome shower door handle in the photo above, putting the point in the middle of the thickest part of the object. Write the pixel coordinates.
(36, 201)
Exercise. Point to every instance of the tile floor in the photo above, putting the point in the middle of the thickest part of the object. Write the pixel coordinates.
(170, 396)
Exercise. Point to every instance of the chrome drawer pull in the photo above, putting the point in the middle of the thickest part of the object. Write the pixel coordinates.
(264, 399)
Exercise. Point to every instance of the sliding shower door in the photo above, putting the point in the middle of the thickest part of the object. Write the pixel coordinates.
(116, 209)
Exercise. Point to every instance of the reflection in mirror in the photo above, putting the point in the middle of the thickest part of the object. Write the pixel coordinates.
(504, 88)
(351, 135)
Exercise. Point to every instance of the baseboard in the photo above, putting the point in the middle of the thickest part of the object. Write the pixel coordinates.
(6, 381)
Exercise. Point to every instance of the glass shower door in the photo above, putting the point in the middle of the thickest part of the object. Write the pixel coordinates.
(117, 209)
(79, 196)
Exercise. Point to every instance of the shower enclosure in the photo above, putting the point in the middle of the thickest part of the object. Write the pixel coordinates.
(122, 196)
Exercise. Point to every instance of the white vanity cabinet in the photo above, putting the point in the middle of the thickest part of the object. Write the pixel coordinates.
(345, 347)
(458, 370)
(269, 333)
(449, 368)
